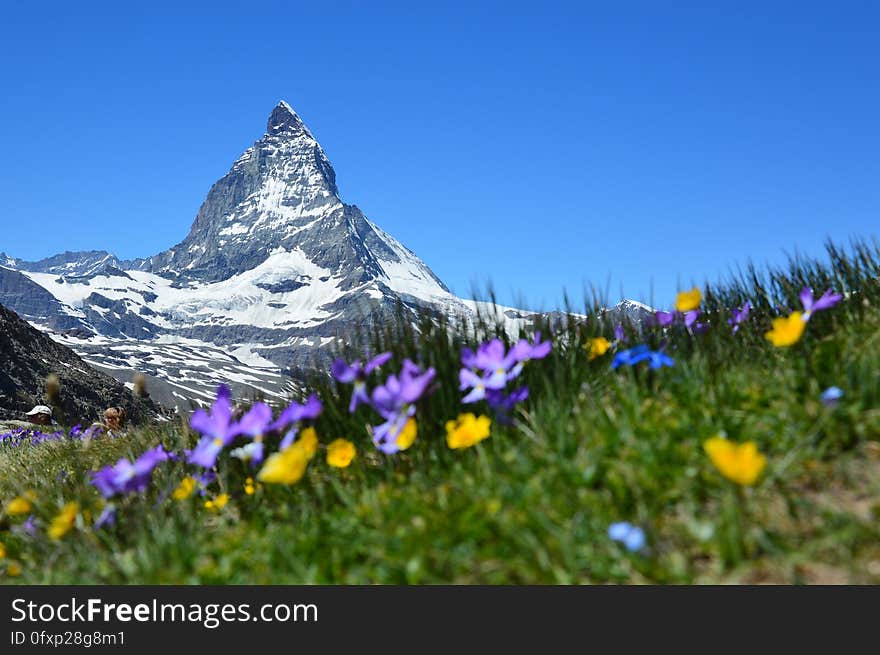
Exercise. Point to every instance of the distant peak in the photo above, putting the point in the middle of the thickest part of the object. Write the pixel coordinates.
(284, 118)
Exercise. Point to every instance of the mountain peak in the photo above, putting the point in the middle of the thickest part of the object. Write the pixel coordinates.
(284, 118)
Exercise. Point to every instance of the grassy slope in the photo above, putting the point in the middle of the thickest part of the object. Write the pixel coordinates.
(532, 504)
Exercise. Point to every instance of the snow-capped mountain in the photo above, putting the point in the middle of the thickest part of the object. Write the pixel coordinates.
(274, 269)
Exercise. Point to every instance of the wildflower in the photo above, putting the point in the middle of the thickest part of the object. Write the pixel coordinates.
(13, 569)
(619, 334)
(218, 503)
(125, 477)
(358, 375)
(467, 430)
(787, 331)
(308, 440)
(470, 380)
(2, 550)
(597, 347)
(286, 466)
(340, 453)
(633, 356)
(631, 536)
(686, 301)
(216, 429)
(107, 517)
(252, 452)
(741, 463)
(498, 364)
(504, 403)
(524, 351)
(664, 319)
(294, 415)
(691, 323)
(253, 424)
(831, 396)
(184, 489)
(249, 486)
(63, 522)
(395, 402)
(740, 316)
(826, 301)
(29, 527)
(408, 434)
(20, 504)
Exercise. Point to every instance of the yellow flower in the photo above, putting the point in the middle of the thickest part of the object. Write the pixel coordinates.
(286, 466)
(341, 452)
(741, 463)
(13, 569)
(787, 331)
(19, 505)
(597, 347)
(308, 441)
(185, 489)
(408, 434)
(63, 522)
(249, 486)
(686, 301)
(2, 550)
(467, 430)
(218, 503)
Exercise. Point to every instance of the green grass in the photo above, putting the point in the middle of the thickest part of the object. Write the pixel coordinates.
(531, 504)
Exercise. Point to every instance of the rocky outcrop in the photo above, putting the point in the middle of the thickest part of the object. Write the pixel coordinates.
(27, 357)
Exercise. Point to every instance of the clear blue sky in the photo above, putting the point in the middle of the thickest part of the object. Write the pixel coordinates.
(540, 146)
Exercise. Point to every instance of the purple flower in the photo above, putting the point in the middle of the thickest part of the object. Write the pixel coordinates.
(503, 403)
(385, 435)
(524, 351)
(826, 301)
(125, 476)
(619, 334)
(691, 323)
(633, 356)
(631, 536)
(497, 363)
(294, 413)
(107, 517)
(664, 319)
(400, 392)
(470, 380)
(395, 402)
(740, 316)
(216, 428)
(357, 374)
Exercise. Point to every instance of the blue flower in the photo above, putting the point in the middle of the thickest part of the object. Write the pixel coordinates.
(631, 536)
(831, 396)
(655, 358)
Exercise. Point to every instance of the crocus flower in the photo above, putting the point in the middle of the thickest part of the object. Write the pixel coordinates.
(467, 430)
(125, 476)
(826, 301)
(640, 353)
(741, 463)
(340, 453)
(740, 316)
(631, 536)
(688, 300)
(787, 330)
(831, 396)
(357, 374)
